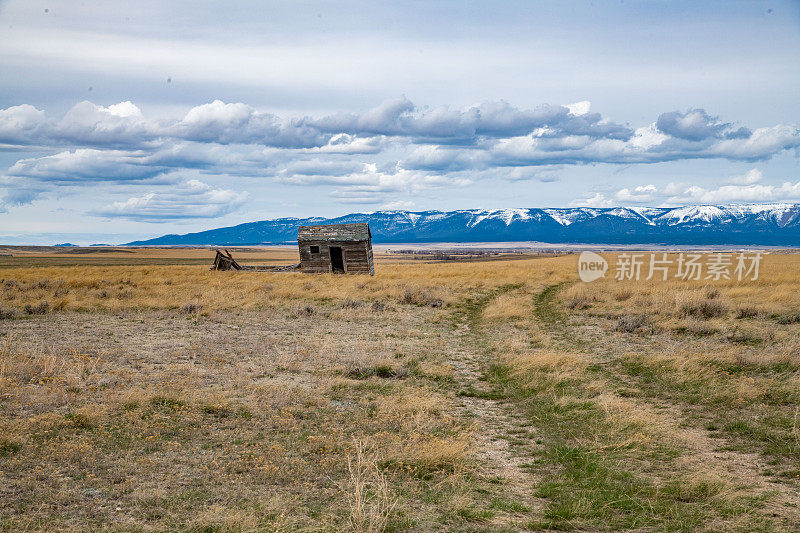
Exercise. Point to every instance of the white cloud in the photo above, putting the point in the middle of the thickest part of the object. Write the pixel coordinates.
(372, 185)
(444, 158)
(19, 124)
(91, 125)
(579, 108)
(736, 193)
(543, 174)
(739, 189)
(346, 144)
(125, 109)
(86, 165)
(398, 205)
(750, 177)
(693, 125)
(648, 137)
(188, 200)
(395, 146)
(596, 200)
(496, 131)
(318, 167)
(640, 194)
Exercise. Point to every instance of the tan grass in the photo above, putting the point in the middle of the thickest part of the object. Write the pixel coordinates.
(370, 498)
(228, 400)
(509, 306)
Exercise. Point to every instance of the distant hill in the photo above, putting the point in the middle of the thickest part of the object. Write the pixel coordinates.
(750, 224)
(65, 245)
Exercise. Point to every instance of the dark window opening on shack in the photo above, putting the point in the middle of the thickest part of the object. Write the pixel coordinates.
(315, 249)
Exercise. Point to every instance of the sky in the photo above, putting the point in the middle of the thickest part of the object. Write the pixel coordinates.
(125, 120)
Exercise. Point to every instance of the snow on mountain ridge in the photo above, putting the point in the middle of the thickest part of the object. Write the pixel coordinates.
(741, 224)
(652, 216)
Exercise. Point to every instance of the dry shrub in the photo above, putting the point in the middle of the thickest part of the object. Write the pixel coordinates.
(86, 417)
(61, 291)
(348, 303)
(304, 311)
(742, 336)
(746, 312)
(40, 309)
(381, 369)
(791, 318)
(191, 308)
(766, 356)
(9, 446)
(276, 397)
(579, 302)
(7, 313)
(712, 293)
(704, 309)
(218, 410)
(623, 295)
(632, 323)
(582, 296)
(697, 327)
(43, 284)
(60, 304)
(421, 296)
(371, 501)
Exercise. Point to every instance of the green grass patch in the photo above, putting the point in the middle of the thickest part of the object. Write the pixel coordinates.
(593, 463)
(473, 514)
(9, 447)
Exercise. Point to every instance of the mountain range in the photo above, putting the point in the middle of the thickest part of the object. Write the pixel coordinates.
(739, 224)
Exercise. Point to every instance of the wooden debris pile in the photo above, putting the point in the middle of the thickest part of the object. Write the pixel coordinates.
(225, 261)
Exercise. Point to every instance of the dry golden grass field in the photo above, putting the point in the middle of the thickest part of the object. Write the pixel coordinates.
(435, 396)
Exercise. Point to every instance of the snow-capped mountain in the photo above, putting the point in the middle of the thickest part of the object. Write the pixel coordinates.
(745, 224)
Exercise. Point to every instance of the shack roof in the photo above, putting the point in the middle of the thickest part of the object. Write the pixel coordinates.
(335, 232)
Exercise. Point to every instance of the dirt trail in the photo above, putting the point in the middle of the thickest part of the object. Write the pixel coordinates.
(704, 452)
(743, 469)
(494, 422)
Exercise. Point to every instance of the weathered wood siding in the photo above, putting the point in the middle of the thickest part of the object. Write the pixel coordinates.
(356, 256)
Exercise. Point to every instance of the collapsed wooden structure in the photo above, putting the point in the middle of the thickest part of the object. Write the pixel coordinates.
(225, 261)
(343, 248)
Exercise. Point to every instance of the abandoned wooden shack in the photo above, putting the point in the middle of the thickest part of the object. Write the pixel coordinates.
(345, 248)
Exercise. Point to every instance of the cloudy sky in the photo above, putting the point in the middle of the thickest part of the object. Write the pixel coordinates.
(123, 120)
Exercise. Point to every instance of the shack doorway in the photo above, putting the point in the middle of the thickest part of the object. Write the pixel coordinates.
(337, 261)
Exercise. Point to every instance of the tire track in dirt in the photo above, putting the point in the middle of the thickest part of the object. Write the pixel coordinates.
(492, 418)
(704, 451)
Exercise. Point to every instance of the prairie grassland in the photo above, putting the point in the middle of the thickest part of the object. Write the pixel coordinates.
(41, 256)
(489, 395)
